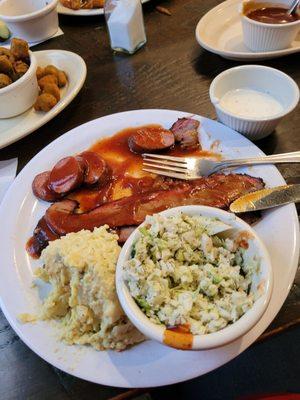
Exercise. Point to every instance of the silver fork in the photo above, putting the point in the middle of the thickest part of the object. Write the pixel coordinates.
(195, 167)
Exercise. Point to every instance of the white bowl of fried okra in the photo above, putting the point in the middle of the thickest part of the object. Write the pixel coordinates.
(18, 83)
(24, 84)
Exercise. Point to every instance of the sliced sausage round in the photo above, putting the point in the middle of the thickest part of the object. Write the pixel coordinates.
(41, 187)
(66, 175)
(95, 168)
(151, 139)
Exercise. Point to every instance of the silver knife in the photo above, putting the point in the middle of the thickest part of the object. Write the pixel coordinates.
(267, 198)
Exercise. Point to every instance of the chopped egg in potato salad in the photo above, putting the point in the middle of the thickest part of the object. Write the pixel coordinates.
(182, 271)
(81, 270)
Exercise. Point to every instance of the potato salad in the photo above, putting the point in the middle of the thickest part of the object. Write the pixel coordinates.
(81, 270)
(184, 271)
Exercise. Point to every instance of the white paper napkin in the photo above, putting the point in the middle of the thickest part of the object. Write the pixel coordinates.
(8, 170)
(31, 44)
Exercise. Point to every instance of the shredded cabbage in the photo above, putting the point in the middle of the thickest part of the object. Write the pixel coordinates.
(182, 272)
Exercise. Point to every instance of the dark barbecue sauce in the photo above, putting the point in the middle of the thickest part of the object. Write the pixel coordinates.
(272, 15)
(127, 179)
(33, 247)
(42, 235)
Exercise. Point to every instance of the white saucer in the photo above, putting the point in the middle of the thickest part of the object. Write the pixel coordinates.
(6, 44)
(13, 129)
(220, 31)
(82, 13)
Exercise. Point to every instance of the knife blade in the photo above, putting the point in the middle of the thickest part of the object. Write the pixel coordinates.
(267, 198)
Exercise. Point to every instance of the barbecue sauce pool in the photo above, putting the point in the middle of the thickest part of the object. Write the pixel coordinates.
(267, 14)
(127, 177)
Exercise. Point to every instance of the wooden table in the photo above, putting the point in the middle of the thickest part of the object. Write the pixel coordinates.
(172, 72)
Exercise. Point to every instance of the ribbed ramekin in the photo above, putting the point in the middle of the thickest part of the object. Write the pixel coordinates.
(265, 79)
(259, 36)
(253, 130)
(30, 20)
(187, 341)
(268, 37)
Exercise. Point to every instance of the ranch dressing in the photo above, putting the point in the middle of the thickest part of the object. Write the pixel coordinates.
(125, 25)
(250, 103)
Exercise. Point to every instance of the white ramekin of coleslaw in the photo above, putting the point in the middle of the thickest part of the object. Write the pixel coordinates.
(194, 277)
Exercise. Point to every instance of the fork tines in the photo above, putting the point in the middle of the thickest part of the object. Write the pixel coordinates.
(174, 167)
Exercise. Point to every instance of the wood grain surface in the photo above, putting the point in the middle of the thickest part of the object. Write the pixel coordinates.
(172, 72)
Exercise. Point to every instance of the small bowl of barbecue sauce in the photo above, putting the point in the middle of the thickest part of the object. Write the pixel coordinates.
(267, 26)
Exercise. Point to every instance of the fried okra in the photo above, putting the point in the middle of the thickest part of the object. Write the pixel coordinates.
(19, 49)
(88, 4)
(45, 102)
(50, 79)
(62, 79)
(40, 72)
(98, 3)
(5, 80)
(6, 66)
(20, 68)
(7, 53)
(51, 70)
(53, 89)
(73, 4)
(47, 79)
(14, 63)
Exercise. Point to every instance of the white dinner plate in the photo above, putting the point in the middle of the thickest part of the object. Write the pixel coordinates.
(149, 363)
(13, 129)
(82, 13)
(220, 31)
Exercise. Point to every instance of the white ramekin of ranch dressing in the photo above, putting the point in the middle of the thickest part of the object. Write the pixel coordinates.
(252, 99)
(250, 103)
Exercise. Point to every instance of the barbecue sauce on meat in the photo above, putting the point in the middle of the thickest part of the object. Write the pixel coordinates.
(127, 179)
(33, 247)
(42, 235)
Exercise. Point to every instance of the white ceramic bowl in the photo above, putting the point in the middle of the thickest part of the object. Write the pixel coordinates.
(31, 20)
(231, 332)
(259, 36)
(21, 94)
(265, 79)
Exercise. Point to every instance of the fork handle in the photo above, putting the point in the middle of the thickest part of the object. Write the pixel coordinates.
(293, 157)
(293, 7)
